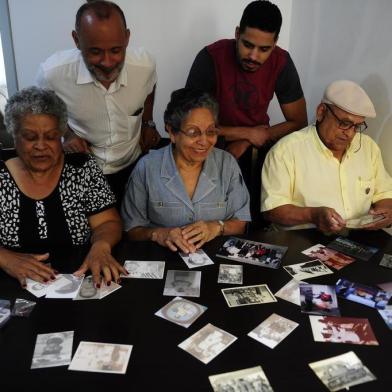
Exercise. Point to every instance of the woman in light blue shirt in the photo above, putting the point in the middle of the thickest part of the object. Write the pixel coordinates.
(188, 192)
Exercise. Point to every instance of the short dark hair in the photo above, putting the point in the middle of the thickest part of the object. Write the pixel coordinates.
(102, 10)
(262, 15)
(184, 100)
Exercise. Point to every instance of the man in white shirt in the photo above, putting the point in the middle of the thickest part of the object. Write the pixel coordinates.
(109, 92)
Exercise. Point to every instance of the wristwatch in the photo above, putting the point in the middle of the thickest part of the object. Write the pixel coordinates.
(149, 123)
(222, 227)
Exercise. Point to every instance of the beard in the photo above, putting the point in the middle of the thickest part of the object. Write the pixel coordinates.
(104, 74)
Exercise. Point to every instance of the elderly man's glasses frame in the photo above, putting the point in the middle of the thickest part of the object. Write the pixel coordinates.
(346, 125)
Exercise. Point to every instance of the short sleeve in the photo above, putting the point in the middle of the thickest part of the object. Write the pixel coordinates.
(383, 181)
(277, 180)
(238, 202)
(202, 73)
(134, 206)
(288, 86)
(97, 195)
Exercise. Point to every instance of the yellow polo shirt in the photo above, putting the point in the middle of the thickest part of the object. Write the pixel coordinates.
(302, 171)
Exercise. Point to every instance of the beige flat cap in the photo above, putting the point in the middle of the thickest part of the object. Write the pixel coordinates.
(350, 97)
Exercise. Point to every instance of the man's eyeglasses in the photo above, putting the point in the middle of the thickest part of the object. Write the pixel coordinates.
(346, 125)
(195, 132)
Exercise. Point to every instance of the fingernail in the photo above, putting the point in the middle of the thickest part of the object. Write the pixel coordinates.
(24, 286)
(118, 281)
(98, 285)
(46, 280)
(53, 277)
(108, 283)
(56, 272)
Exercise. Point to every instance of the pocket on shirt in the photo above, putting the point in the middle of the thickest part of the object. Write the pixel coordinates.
(166, 213)
(213, 211)
(134, 124)
(366, 188)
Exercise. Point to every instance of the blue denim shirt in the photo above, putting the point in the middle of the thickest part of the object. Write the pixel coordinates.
(156, 195)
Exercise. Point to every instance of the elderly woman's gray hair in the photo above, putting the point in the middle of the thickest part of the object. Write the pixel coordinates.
(184, 100)
(34, 100)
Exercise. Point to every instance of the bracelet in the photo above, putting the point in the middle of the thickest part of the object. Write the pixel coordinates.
(222, 227)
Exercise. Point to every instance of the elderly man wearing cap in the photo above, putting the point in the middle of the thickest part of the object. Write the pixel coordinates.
(330, 172)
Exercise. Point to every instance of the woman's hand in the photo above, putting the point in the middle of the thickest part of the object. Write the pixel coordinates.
(172, 238)
(200, 232)
(26, 265)
(100, 262)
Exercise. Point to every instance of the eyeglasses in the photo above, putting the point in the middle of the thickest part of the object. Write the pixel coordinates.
(195, 132)
(346, 125)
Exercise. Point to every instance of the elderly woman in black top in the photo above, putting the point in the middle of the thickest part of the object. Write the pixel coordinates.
(50, 200)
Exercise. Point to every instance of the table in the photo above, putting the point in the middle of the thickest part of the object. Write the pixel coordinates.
(156, 363)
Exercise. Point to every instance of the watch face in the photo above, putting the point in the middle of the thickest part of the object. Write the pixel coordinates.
(150, 123)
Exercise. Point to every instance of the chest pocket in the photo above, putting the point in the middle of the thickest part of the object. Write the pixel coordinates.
(166, 213)
(213, 211)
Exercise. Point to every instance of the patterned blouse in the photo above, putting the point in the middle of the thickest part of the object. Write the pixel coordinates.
(60, 219)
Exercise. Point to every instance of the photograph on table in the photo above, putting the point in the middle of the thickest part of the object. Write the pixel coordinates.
(230, 274)
(181, 311)
(318, 299)
(290, 291)
(52, 349)
(308, 269)
(362, 294)
(328, 256)
(144, 269)
(87, 290)
(352, 248)
(182, 283)
(65, 286)
(106, 290)
(38, 289)
(245, 380)
(386, 315)
(342, 330)
(101, 357)
(342, 371)
(5, 311)
(273, 330)
(248, 295)
(196, 259)
(251, 252)
(207, 343)
(386, 261)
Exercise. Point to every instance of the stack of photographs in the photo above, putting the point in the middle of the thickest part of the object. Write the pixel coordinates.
(245, 380)
(248, 295)
(342, 371)
(318, 299)
(309, 269)
(207, 343)
(138, 269)
(273, 330)
(250, 252)
(352, 248)
(360, 293)
(181, 311)
(342, 330)
(182, 283)
(328, 256)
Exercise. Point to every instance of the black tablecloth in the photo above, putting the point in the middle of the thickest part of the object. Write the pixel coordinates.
(156, 363)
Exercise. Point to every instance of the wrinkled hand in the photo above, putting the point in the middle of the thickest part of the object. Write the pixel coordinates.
(149, 138)
(237, 148)
(327, 220)
(259, 135)
(200, 232)
(27, 265)
(386, 221)
(74, 143)
(172, 238)
(100, 261)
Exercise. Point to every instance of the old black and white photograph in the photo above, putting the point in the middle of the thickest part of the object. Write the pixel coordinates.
(65, 286)
(386, 261)
(308, 269)
(87, 290)
(248, 295)
(290, 291)
(144, 269)
(251, 252)
(196, 259)
(182, 283)
(181, 311)
(5, 311)
(52, 349)
(207, 343)
(230, 274)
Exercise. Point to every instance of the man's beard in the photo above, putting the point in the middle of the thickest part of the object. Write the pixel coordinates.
(101, 73)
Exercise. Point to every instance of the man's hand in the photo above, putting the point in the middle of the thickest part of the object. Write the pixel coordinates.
(200, 232)
(259, 135)
(26, 265)
(100, 261)
(172, 238)
(149, 138)
(237, 148)
(385, 213)
(74, 143)
(327, 219)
